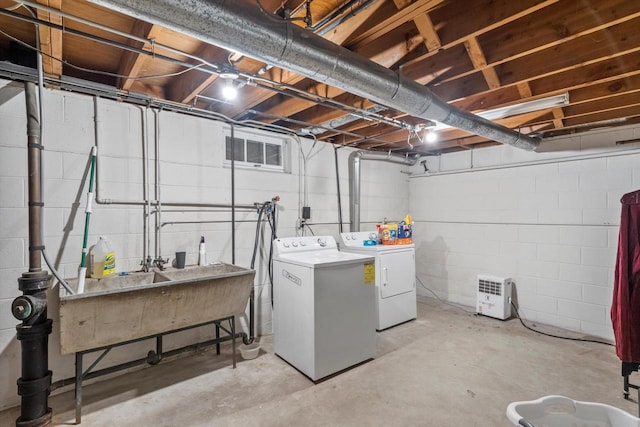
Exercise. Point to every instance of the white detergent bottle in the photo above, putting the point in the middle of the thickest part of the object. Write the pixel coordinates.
(102, 259)
(202, 253)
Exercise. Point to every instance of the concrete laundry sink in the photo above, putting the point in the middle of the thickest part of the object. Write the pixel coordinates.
(122, 308)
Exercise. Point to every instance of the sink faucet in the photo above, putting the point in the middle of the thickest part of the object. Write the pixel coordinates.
(146, 264)
(160, 262)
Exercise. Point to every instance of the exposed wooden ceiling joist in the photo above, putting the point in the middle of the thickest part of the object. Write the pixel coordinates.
(51, 39)
(476, 55)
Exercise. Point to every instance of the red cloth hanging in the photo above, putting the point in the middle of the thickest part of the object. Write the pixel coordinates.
(625, 307)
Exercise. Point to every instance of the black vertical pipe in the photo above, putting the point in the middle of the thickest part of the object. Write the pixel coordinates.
(31, 307)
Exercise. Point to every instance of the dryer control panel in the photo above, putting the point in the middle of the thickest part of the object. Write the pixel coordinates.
(359, 238)
(304, 243)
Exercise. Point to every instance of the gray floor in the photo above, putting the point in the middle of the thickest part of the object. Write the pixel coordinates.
(447, 368)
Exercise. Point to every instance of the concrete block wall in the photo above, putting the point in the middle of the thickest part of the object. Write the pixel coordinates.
(192, 169)
(549, 220)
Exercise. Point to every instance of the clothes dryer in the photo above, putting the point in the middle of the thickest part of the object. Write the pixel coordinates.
(395, 276)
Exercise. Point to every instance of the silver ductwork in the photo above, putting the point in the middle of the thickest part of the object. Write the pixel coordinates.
(243, 27)
(354, 179)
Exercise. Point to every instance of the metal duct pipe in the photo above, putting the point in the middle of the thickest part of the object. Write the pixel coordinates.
(240, 26)
(354, 179)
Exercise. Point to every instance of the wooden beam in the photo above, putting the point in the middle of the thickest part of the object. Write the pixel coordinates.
(608, 70)
(50, 39)
(131, 63)
(603, 104)
(524, 90)
(401, 17)
(571, 57)
(479, 62)
(425, 27)
(555, 25)
(558, 115)
(478, 17)
(551, 27)
(449, 63)
(631, 83)
(621, 113)
(428, 31)
(608, 43)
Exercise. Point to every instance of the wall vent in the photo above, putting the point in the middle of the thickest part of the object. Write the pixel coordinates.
(494, 296)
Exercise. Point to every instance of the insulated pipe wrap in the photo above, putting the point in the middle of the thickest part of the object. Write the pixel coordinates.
(241, 26)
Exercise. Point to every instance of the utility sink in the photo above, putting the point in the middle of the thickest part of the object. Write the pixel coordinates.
(141, 304)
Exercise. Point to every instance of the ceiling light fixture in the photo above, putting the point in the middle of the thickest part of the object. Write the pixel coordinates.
(520, 108)
(430, 136)
(229, 74)
(229, 91)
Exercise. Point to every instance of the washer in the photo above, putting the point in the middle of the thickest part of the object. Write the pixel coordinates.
(395, 277)
(323, 305)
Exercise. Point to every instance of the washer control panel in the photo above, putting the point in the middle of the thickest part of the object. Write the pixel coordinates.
(305, 243)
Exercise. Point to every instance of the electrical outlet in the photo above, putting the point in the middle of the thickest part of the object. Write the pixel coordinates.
(306, 212)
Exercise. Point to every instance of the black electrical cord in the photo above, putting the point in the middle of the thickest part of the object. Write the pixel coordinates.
(309, 227)
(443, 301)
(271, 217)
(552, 335)
(257, 238)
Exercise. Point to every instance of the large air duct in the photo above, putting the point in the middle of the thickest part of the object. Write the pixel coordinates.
(354, 179)
(243, 27)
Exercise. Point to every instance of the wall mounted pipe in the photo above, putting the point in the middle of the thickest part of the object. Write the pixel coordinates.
(158, 210)
(108, 201)
(355, 159)
(241, 26)
(35, 183)
(233, 195)
(335, 155)
(31, 307)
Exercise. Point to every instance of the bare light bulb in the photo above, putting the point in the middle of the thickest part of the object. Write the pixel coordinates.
(430, 137)
(229, 92)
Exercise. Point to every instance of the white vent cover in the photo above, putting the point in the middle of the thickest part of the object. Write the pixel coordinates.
(494, 296)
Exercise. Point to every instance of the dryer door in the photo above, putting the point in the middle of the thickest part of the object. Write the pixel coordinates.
(397, 272)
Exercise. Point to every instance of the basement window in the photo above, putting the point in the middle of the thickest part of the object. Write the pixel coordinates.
(256, 151)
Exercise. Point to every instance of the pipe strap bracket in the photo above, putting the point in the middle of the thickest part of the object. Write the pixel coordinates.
(31, 387)
(36, 248)
(33, 332)
(34, 145)
(37, 283)
(39, 204)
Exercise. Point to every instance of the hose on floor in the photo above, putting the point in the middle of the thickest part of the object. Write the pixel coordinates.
(515, 309)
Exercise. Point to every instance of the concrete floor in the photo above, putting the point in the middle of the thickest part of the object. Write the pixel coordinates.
(447, 368)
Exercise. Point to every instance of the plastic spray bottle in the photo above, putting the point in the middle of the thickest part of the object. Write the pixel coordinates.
(202, 252)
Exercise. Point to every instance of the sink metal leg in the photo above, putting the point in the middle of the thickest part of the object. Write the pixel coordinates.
(218, 338)
(78, 387)
(233, 339)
